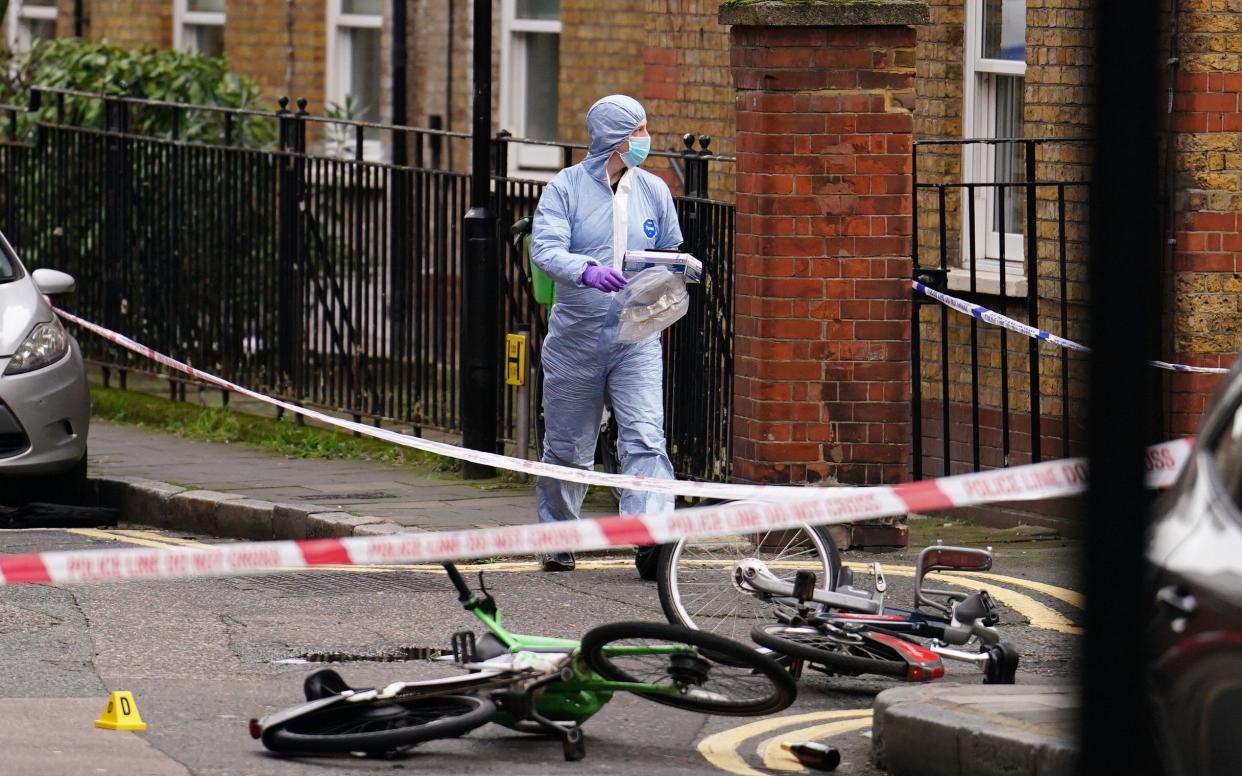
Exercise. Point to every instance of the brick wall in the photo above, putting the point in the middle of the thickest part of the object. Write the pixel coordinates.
(601, 53)
(671, 55)
(1207, 262)
(686, 82)
(129, 23)
(282, 47)
(823, 225)
(440, 78)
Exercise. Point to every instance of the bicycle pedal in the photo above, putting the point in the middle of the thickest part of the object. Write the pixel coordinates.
(464, 648)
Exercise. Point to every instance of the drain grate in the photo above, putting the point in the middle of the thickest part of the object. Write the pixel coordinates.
(390, 655)
(328, 583)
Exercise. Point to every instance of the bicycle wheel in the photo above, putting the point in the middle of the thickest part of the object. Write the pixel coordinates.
(379, 726)
(746, 683)
(841, 654)
(696, 583)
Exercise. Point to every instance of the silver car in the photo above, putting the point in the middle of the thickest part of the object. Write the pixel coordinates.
(44, 398)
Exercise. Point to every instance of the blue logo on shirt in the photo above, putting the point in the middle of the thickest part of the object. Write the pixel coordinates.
(649, 227)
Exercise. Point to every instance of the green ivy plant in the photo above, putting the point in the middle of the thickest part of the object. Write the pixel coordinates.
(100, 67)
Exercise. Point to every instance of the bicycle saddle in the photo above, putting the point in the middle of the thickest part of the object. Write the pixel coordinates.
(323, 684)
(489, 647)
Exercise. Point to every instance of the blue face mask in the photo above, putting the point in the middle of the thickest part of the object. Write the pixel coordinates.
(639, 146)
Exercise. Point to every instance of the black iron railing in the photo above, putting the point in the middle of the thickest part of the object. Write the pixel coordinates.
(272, 248)
(316, 275)
(1011, 238)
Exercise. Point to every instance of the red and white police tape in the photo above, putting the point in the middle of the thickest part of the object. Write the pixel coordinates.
(716, 490)
(793, 507)
(1050, 479)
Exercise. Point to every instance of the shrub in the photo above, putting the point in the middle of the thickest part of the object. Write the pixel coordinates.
(166, 75)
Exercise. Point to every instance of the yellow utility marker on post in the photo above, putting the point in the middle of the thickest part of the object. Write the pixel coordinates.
(515, 359)
(121, 713)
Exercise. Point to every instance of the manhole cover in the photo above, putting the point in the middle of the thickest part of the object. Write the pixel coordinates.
(319, 583)
(386, 655)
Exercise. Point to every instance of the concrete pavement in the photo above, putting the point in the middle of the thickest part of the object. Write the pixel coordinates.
(246, 492)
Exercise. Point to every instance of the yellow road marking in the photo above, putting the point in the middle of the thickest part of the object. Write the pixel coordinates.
(775, 757)
(1071, 597)
(156, 536)
(111, 536)
(720, 749)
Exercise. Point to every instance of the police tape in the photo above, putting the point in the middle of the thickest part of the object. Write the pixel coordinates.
(779, 508)
(997, 319)
(714, 490)
(815, 506)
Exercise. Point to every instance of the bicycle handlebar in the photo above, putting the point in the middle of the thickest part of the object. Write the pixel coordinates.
(463, 590)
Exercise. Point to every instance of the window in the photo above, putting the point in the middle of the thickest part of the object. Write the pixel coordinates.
(995, 72)
(354, 48)
(530, 70)
(199, 26)
(31, 20)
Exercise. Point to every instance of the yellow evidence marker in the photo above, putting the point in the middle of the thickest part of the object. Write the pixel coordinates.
(515, 359)
(121, 713)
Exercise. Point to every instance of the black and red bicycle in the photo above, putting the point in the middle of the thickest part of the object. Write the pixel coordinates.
(842, 629)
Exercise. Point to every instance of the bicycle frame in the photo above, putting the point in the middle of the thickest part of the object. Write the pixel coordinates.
(563, 695)
(843, 610)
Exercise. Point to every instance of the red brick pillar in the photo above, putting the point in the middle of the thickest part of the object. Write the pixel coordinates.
(822, 343)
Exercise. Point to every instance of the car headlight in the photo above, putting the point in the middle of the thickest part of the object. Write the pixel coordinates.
(47, 344)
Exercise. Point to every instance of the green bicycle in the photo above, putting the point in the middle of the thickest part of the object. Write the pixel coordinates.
(532, 684)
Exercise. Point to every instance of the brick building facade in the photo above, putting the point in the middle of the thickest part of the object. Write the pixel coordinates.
(994, 68)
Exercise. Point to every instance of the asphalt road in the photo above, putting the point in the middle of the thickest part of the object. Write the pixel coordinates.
(201, 657)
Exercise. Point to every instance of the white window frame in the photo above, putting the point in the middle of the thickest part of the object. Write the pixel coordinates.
(338, 80)
(530, 161)
(18, 37)
(183, 17)
(979, 166)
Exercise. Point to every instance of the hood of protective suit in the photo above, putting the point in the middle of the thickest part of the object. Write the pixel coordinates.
(609, 122)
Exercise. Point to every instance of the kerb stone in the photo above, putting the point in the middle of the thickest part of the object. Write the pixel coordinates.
(195, 510)
(245, 518)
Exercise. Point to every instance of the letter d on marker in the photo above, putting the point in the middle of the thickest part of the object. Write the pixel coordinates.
(121, 713)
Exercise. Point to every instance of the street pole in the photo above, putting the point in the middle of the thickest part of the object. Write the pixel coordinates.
(1116, 729)
(480, 369)
(400, 64)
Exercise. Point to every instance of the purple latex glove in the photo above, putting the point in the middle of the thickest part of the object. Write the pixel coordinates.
(604, 279)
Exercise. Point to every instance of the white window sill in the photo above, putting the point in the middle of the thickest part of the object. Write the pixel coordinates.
(988, 282)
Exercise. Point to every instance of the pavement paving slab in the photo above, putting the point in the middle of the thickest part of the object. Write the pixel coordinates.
(386, 494)
(57, 735)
